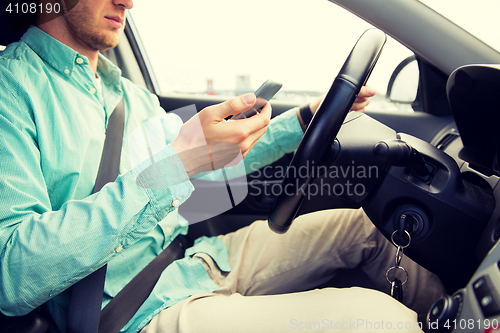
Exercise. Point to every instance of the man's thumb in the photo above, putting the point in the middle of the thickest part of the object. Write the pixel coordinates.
(237, 105)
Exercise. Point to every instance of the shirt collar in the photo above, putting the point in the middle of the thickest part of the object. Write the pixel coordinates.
(63, 58)
(108, 72)
(57, 54)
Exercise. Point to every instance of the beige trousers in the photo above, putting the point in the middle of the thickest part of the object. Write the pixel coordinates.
(264, 292)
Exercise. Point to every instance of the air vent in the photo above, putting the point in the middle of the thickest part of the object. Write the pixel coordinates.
(446, 140)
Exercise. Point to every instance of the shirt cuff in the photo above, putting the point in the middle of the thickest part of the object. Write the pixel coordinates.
(165, 180)
(287, 131)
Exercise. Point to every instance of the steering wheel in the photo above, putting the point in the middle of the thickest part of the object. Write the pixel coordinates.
(324, 127)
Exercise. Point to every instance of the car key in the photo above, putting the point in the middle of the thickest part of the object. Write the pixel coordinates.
(397, 290)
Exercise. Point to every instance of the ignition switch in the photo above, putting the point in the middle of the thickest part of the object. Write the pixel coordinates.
(413, 220)
(408, 223)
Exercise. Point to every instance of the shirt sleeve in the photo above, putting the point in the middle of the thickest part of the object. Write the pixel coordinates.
(44, 251)
(283, 136)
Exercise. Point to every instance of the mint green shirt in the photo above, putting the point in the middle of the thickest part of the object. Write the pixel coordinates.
(53, 230)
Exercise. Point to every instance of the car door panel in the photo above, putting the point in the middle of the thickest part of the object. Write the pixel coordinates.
(173, 102)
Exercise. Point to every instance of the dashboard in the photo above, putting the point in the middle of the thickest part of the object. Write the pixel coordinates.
(474, 308)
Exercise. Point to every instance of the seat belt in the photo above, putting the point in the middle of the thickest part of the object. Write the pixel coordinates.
(86, 296)
(125, 304)
(85, 315)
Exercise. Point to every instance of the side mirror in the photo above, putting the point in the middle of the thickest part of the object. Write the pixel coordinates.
(404, 82)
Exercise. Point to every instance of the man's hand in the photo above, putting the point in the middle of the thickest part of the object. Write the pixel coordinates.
(208, 142)
(363, 99)
(359, 104)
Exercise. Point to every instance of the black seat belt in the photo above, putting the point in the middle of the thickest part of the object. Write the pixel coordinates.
(86, 296)
(85, 315)
(125, 304)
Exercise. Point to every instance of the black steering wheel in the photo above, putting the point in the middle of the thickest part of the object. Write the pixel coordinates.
(324, 127)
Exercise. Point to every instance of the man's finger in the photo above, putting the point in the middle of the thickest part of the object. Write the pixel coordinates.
(367, 91)
(252, 140)
(234, 105)
(256, 122)
(360, 106)
(361, 99)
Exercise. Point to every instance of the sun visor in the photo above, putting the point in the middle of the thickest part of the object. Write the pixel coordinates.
(472, 93)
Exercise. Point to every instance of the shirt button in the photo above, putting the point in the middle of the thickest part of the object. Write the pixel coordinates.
(168, 230)
(119, 249)
(66, 71)
(92, 90)
(176, 203)
(79, 61)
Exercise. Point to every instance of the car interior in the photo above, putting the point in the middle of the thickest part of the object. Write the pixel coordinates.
(439, 166)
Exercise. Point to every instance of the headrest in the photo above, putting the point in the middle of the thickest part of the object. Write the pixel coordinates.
(472, 92)
(11, 27)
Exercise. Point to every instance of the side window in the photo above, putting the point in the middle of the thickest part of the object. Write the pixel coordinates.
(229, 47)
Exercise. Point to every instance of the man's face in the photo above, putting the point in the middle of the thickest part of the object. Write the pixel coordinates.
(98, 23)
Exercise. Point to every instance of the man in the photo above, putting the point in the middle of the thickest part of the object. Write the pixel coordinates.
(58, 96)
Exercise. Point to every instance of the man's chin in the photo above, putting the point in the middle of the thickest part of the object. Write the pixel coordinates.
(111, 45)
(106, 42)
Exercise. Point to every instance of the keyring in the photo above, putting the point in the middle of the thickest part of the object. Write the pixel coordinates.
(396, 267)
(409, 239)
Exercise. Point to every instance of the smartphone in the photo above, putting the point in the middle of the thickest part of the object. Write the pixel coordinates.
(265, 92)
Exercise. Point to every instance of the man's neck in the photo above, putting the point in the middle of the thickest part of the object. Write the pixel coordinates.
(59, 31)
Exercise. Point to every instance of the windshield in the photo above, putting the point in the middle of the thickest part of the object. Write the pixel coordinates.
(213, 51)
(478, 17)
